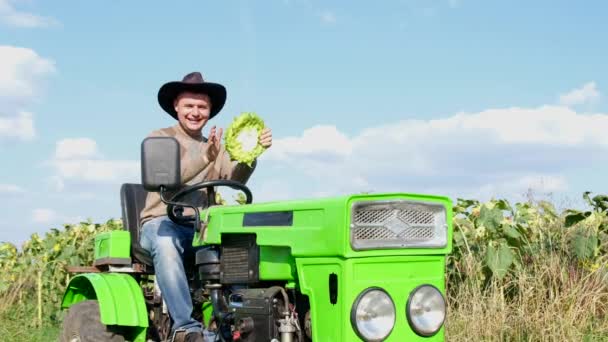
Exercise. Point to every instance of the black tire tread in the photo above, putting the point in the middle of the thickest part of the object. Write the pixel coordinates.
(83, 321)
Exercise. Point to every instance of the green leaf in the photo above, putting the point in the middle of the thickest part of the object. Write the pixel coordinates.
(587, 198)
(584, 244)
(499, 259)
(74, 260)
(490, 218)
(462, 205)
(68, 251)
(467, 202)
(240, 198)
(600, 202)
(458, 238)
(574, 216)
(523, 213)
(219, 200)
(503, 205)
(603, 241)
(511, 232)
(548, 208)
(603, 227)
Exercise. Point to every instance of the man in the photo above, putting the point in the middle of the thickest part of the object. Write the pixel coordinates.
(193, 102)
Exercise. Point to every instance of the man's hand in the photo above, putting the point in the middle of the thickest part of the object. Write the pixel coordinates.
(266, 138)
(214, 144)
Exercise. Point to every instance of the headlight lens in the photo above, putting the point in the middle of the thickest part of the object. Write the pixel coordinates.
(426, 310)
(373, 315)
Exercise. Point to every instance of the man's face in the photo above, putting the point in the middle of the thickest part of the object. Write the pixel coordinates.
(192, 111)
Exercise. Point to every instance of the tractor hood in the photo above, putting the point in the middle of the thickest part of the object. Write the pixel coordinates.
(345, 226)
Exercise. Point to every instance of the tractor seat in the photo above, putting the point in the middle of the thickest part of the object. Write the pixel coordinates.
(133, 199)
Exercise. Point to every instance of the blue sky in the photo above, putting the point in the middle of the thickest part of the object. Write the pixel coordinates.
(456, 97)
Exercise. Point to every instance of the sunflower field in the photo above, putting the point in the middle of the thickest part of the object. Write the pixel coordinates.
(525, 270)
(33, 277)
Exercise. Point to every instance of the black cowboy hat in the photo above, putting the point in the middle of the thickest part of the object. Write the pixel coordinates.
(193, 82)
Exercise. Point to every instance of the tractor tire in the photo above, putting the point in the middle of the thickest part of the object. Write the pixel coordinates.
(83, 324)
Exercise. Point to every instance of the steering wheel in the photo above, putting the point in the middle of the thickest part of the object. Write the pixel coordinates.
(209, 185)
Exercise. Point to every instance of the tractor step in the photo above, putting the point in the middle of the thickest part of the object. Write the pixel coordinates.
(84, 269)
(134, 268)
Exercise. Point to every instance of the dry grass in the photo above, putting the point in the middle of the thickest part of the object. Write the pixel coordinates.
(548, 299)
(14, 294)
(17, 330)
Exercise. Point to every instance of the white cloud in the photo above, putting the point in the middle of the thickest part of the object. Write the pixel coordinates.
(20, 127)
(317, 140)
(271, 190)
(491, 152)
(43, 215)
(10, 189)
(13, 17)
(510, 186)
(50, 216)
(547, 125)
(73, 219)
(327, 17)
(77, 148)
(21, 72)
(77, 159)
(586, 94)
(545, 183)
(56, 183)
(97, 170)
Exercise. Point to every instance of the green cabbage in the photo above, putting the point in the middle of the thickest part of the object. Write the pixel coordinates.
(242, 138)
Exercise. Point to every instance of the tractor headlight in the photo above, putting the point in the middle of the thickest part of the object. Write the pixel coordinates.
(373, 315)
(426, 310)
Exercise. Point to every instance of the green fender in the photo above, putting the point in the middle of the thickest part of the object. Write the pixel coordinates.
(121, 301)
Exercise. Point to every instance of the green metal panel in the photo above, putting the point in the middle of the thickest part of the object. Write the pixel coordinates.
(207, 310)
(398, 275)
(114, 244)
(121, 301)
(276, 263)
(320, 226)
(326, 318)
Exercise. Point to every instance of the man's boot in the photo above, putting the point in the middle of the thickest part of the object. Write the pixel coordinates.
(195, 336)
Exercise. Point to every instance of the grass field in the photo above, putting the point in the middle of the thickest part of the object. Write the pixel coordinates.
(11, 330)
(553, 302)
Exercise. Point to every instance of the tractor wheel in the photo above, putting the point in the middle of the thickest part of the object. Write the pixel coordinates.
(83, 324)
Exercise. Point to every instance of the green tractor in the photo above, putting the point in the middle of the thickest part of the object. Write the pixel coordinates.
(364, 267)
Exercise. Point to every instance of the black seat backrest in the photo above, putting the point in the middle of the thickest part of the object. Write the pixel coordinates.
(132, 200)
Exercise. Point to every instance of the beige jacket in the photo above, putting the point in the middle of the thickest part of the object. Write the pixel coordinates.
(195, 168)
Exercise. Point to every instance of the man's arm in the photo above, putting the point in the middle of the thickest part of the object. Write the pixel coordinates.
(225, 168)
(233, 170)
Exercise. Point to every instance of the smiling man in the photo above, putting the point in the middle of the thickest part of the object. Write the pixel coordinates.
(192, 102)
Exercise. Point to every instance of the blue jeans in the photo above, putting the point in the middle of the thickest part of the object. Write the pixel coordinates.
(167, 242)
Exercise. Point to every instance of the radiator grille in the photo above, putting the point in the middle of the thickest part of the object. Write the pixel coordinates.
(374, 233)
(372, 216)
(239, 259)
(386, 224)
(416, 216)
